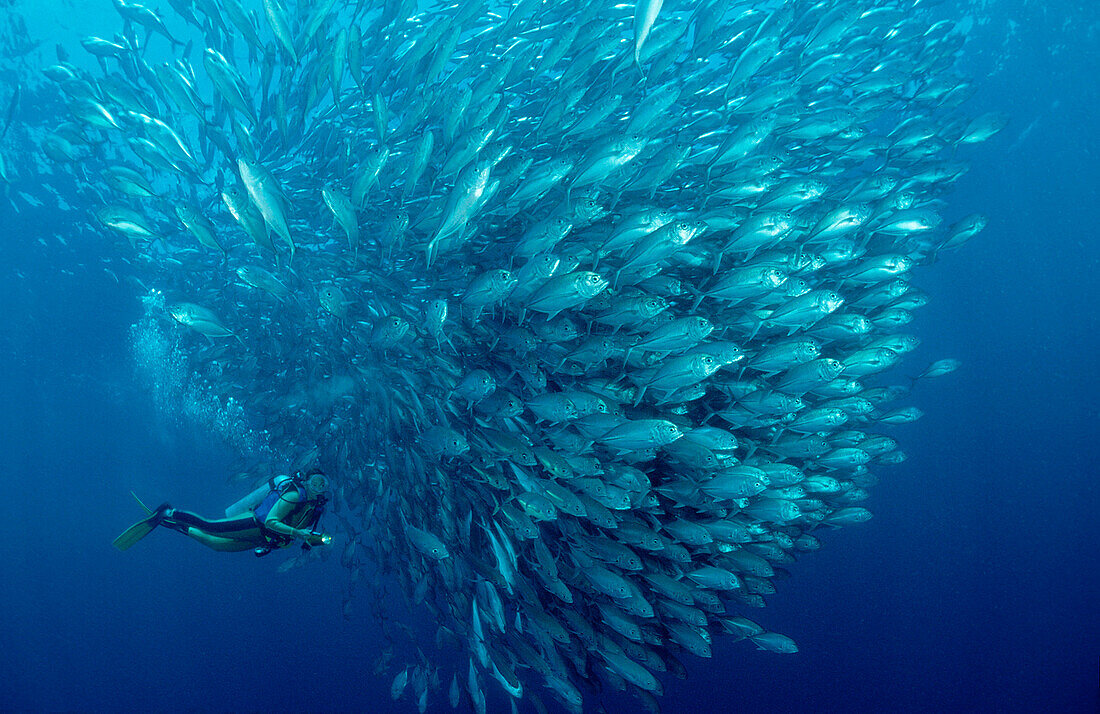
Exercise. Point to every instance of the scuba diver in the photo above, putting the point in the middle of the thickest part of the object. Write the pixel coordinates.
(273, 516)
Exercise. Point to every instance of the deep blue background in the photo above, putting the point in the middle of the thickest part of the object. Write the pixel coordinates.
(974, 588)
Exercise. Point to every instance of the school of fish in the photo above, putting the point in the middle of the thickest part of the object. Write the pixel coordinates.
(588, 308)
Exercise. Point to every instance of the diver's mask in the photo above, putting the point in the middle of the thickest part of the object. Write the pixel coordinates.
(316, 486)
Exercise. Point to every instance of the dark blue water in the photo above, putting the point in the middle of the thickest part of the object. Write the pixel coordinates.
(974, 588)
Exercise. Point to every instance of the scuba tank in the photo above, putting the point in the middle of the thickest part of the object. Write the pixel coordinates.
(245, 505)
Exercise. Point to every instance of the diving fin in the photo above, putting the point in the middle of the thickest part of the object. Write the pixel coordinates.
(142, 528)
(143, 506)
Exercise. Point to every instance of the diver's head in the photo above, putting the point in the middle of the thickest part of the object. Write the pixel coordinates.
(317, 483)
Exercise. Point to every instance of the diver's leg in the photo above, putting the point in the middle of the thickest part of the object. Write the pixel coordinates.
(223, 527)
(224, 534)
(225, 545)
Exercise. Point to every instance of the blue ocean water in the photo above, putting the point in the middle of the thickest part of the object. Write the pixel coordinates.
(974, 587)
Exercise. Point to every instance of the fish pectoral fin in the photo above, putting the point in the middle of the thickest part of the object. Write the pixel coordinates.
(430, 251)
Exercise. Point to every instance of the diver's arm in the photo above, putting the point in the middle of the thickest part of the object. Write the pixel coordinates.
(282, 509)
(277, 526)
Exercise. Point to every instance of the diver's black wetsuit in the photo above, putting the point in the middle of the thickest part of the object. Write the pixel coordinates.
(225, 527)
(247, 528)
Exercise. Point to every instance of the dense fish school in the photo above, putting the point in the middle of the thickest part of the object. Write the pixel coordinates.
(585, 306)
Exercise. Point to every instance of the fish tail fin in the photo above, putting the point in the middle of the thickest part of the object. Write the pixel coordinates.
(757, 323)
(699, 295)
(638, 66)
